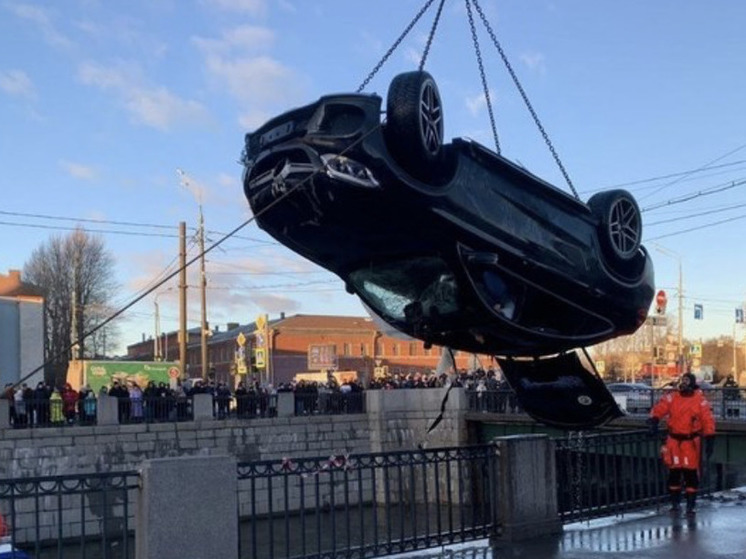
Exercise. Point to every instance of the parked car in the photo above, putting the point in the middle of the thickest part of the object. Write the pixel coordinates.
(451, 243)
(633, 397)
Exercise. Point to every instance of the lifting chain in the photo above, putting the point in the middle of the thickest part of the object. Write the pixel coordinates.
(431, 35)
(524, 96)
(482, 74)
(393, 47)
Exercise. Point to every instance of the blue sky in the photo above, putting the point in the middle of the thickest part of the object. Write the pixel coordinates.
(101, 102)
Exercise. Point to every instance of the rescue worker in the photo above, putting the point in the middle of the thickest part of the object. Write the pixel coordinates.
(689, 420)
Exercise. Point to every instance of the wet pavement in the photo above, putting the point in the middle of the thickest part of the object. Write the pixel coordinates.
(718, 530)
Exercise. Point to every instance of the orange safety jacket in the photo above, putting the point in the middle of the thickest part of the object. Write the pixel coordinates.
(689, 418)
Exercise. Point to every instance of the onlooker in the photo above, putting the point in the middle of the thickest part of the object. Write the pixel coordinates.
(136, 403)
(55, 403)
(69, 403)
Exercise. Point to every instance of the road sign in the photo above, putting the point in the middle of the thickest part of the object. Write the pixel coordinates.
(661, 299)
(241, 339)
(260, 358)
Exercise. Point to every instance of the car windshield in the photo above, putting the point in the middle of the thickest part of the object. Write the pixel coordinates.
(397, 290)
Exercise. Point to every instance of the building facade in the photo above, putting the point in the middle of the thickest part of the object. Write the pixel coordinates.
(275, 351)
(21, 330)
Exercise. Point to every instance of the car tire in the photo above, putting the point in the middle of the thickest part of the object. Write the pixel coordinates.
(620, 224)
(414, 123)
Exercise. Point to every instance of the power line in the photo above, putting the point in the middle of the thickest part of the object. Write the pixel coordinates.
(110, 222)
(692, 216)
(705, 226)
(107, 231)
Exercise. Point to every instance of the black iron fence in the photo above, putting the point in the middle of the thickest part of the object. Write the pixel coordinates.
(88, 515)
(727, 403)
(368, 505)
(359, 506)
(52, 413)
(606, 474)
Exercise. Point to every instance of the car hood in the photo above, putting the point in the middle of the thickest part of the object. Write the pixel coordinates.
(559, 391)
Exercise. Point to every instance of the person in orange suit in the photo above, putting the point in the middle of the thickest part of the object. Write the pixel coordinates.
(689, 420)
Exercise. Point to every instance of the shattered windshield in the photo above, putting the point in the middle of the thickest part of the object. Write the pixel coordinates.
(407, 288)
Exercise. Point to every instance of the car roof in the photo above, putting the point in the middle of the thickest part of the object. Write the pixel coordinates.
(629, 386)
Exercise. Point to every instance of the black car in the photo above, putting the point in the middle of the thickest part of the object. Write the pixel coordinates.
(448, 243)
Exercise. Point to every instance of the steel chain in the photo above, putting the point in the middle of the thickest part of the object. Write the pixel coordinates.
(431, 35)
(393, 47)
(482, 74)
(517, 83)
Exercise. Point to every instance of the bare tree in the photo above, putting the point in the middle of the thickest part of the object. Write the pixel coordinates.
(76, 274)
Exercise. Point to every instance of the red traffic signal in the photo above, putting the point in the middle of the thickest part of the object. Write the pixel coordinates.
(660, 301)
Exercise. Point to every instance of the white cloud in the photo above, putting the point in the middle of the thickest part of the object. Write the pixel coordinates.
(17, 83)
(254, 7)
(43, 20)
(534, 60)
(271, 303)
(238, 62)
(246, 37)
(161, 109)
(78, 170)
(413, 55)
(478, 103)
(153, 106)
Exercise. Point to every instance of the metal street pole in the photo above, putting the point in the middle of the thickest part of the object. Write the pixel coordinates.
(182, 300)
(203, 289)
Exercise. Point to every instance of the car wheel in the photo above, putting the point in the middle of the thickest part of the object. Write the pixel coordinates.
(620, 224)
(414, 123)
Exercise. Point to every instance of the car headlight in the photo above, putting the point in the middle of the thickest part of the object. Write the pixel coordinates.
(349, 170)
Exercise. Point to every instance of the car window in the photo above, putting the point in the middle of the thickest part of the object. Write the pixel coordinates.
(392, 292)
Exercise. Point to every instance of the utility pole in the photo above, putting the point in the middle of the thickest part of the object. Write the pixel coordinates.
(182, 300)
(681, 318)
(203, 294)
(197, 193)
(157, 336)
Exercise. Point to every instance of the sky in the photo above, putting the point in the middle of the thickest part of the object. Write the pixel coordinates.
(125, 118)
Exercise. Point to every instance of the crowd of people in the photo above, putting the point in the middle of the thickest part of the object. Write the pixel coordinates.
(45, 405)
(157, 401)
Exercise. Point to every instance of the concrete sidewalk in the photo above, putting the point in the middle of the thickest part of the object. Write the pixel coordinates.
(718, 530)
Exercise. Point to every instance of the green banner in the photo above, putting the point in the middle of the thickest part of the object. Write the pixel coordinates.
(103, 373)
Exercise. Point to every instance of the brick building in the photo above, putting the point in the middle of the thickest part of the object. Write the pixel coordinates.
(21, 329)
(284, 347)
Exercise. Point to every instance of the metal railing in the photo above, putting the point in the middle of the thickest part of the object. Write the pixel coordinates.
(605, 474)
(89, 515)
(368, 505)
(52, 413)
(727, 403)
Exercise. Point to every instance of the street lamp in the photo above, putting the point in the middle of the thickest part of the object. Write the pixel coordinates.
(158, 354)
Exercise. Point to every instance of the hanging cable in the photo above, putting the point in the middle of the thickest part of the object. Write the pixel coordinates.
(526, 100)
(483, 75)
(393, 47)
(429, 42)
